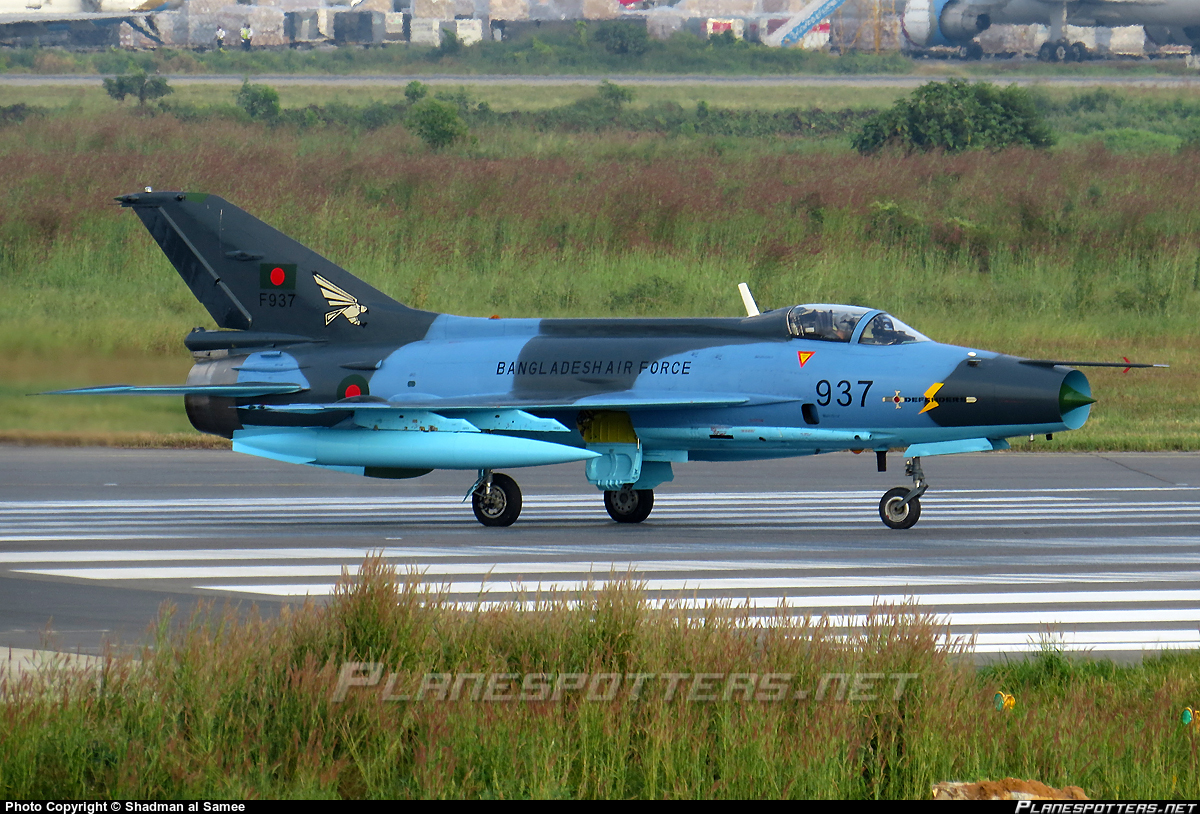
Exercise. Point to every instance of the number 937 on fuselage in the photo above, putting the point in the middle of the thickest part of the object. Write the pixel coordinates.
(309, 365)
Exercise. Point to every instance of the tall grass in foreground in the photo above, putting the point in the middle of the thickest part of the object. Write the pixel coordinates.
(233, 705)
(598, 225)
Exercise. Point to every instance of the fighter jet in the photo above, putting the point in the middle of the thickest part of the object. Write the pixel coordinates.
(311, 365)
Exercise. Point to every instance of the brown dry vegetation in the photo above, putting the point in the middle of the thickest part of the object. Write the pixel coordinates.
(628, 191)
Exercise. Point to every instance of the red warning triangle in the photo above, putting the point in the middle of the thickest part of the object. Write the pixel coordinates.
(804, 355)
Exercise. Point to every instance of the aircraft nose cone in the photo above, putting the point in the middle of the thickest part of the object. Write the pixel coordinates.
(1006, 391)
(1075, 400)
(1071, 399)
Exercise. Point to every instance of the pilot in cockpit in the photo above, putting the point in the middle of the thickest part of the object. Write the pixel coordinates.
(843, 328)
(884, 332)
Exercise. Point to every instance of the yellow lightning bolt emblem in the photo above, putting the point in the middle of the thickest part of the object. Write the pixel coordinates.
(929, 394)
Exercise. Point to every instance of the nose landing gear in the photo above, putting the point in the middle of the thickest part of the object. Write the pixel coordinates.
(900, 508)
(496, 499)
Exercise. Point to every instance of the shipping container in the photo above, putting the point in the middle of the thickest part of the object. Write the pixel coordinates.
(358, 28)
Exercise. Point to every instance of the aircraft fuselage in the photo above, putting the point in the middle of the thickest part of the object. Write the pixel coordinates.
(956, 22)
(843, 396)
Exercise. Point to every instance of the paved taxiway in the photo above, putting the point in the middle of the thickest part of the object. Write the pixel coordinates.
(1097, 552)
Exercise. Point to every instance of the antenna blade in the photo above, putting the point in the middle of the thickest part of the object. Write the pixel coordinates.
(748, 300)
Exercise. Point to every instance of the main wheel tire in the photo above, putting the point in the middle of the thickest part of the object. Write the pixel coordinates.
(499, 507)
(1062, 52)
(895, 516)
(629, 505)
(1046, 52)
(1079, 52)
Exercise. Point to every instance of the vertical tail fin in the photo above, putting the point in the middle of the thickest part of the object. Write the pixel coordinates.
(250, 276)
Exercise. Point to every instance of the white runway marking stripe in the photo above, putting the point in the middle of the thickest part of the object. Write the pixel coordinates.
(964, 509)
(174, 555)
(286, 571)
(1127, 640)
(64, 538)
(922, 603)
(815, 573)
(598, 568)
(1031, 620)
(1040, 627)
(898, 582)
(1027, 581)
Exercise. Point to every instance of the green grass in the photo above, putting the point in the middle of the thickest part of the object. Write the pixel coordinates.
(1101, 68)
(1070, 108)
(229, 705)
(64, 419)
(501, 98)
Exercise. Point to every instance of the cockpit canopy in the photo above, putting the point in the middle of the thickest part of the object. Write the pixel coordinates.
(836, 323)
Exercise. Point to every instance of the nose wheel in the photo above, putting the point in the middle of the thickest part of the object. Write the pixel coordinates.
(895, 513)
(900, 508)
(496, 499)
(629, 505)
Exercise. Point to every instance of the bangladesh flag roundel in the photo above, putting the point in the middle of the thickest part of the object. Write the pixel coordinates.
(277, 276)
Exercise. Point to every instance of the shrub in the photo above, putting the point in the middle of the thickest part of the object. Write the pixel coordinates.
(623, 38)
(460, 98)
(259, 101)
(437, 123)
(415, 91)
(727, 39)
(138, 84)
(955, 116)
(615, 95)
(15, 114)
(450, 46)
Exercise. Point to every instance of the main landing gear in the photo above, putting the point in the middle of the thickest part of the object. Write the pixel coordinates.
(900, 508)
(1063, 51)
(629, 505)
(496, 501)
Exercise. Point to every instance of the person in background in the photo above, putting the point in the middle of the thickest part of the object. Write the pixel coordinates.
(246, 35)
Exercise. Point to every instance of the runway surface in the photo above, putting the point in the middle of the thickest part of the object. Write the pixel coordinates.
(1086, 551)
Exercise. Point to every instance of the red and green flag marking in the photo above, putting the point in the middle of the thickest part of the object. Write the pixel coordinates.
(277, 276)
(353, 386)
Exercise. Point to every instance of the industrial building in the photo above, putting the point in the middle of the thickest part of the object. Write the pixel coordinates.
(841, 25)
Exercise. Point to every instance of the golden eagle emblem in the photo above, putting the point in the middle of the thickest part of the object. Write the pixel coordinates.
(342, 303)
